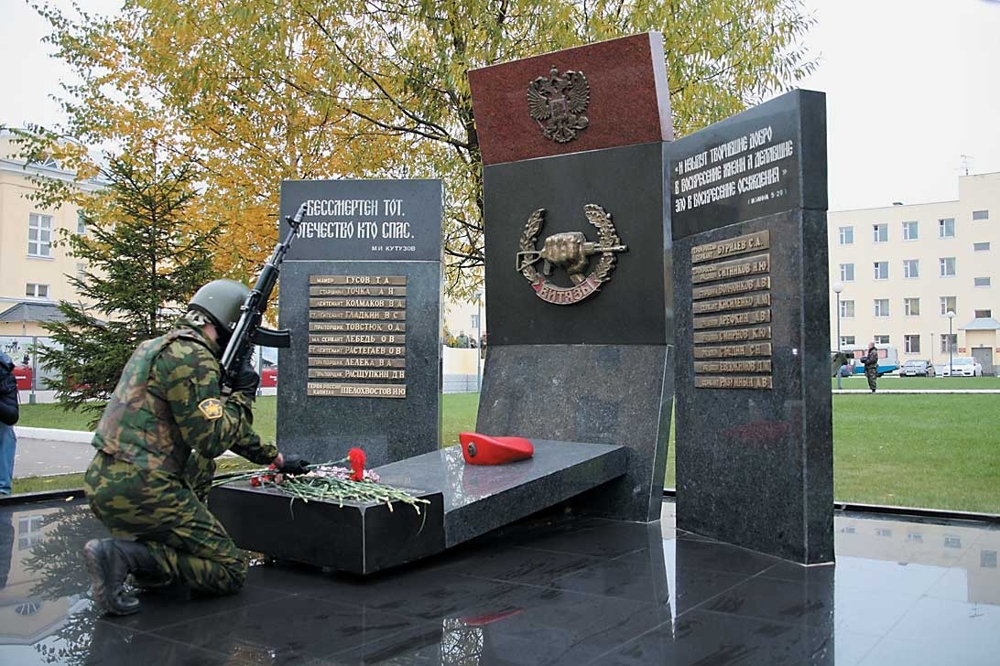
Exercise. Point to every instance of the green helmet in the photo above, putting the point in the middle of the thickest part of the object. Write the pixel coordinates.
(222, 301)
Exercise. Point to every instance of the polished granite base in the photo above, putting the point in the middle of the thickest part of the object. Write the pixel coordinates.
(553, 589)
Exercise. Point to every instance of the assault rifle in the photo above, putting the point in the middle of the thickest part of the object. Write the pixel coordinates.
(248, 331)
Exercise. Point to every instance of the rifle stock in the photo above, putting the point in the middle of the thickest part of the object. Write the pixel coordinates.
(248, 330)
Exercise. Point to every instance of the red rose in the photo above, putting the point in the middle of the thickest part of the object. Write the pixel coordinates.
(254, 481)
(357, 458)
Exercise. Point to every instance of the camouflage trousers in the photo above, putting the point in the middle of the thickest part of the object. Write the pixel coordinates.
(168, 514)
(872, 375)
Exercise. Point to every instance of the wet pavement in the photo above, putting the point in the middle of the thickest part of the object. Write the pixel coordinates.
(551, 590)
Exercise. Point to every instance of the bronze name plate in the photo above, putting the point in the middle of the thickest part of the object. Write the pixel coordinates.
(357, 332)
(352, 290)
(740, 300)
(362, 315)
(358, 373)
(756, 242)
(358, 326)
(356, 390)
(354, 362)
(358, 339)
(359, 279)
(737, 268)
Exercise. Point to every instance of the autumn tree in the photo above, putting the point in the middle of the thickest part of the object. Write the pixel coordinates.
(144, 258)
(261, 91)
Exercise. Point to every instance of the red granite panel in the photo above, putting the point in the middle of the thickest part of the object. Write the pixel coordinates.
(629, 100)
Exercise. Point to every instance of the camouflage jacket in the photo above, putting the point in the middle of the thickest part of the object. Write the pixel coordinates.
(168, 403)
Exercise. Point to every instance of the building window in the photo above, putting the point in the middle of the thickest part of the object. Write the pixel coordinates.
(846, 341)
(81, 272)
(948, 304)
(910, 231)
(911, 344)
(847, 235)
(947, 266)
(881, 339)
(37, 290)
(944, 341)
(980, 215)
(880, 233)
(881, 307)
(847, 308)
(39, 235)
(946, 227)
(983, 314)
(981, 281)
(911, 268)
(988, 559)
(881, 270)
(81, 223)
(981, 247)
(847, 272)
(29, 531)
(911, 307)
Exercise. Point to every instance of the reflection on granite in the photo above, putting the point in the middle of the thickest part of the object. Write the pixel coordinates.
(551, 589)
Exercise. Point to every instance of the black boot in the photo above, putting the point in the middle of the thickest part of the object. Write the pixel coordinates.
(109, 562)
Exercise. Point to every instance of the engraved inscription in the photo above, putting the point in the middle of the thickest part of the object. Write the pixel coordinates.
(733, 347)
(738, 303)
(731, 269)
(729, 351)
(358, 279)
(759, 382)
(732, 247)
(357, 332)
(356, 390)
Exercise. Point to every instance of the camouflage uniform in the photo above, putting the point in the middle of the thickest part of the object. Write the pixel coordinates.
(157, 442)
(871, 368)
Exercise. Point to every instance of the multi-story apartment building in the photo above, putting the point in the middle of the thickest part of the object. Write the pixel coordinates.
(33, 267)
(903, 268)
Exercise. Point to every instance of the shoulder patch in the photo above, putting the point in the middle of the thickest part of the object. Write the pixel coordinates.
(211, 408)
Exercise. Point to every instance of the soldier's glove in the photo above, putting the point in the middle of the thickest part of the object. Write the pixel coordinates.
(294, 465)
(247, 380)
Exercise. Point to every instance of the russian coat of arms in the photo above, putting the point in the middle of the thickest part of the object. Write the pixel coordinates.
(572, 251)
(557, 104)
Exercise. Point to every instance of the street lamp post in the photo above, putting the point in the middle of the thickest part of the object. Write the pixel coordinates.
(837, 288)
(951, 368)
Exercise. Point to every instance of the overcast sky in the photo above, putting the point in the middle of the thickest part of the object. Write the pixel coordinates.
(909, 90)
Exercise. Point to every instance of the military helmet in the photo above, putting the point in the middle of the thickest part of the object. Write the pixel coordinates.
(222, 301)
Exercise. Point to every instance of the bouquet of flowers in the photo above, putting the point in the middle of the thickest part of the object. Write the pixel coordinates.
(329, 481)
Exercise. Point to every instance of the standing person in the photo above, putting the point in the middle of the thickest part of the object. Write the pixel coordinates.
(871, 366)
(156, 445)
(9, 413)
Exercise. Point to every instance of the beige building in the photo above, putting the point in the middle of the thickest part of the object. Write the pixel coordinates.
(904, 267)
(33, 267)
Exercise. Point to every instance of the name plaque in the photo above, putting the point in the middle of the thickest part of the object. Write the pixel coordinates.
(357, 326)
(742, 303)
(357, 390)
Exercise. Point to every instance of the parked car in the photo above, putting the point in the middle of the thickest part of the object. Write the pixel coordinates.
(962, 366)
(916, 368)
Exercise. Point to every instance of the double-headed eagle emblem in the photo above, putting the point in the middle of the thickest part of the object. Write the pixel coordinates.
(557, 104)
(572, 251)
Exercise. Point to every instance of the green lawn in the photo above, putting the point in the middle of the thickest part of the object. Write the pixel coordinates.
(889, 382)
(936, 451)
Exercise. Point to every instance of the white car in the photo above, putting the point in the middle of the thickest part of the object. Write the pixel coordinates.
(962, 366)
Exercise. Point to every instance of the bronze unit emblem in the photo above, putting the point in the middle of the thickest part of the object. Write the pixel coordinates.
(557, 104)
(572, 251)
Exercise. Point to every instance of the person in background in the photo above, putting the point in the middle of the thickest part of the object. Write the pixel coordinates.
(871, 366)
(156, 442)
(9, 413)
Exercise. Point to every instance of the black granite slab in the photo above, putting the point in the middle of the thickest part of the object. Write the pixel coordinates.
(323, 428)
(611, 394)
(755, 465)
(633, 306)
(466, 501)
(359, 537)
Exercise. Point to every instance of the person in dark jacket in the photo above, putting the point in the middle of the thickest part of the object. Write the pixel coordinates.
(9, 414)
(871, 366)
